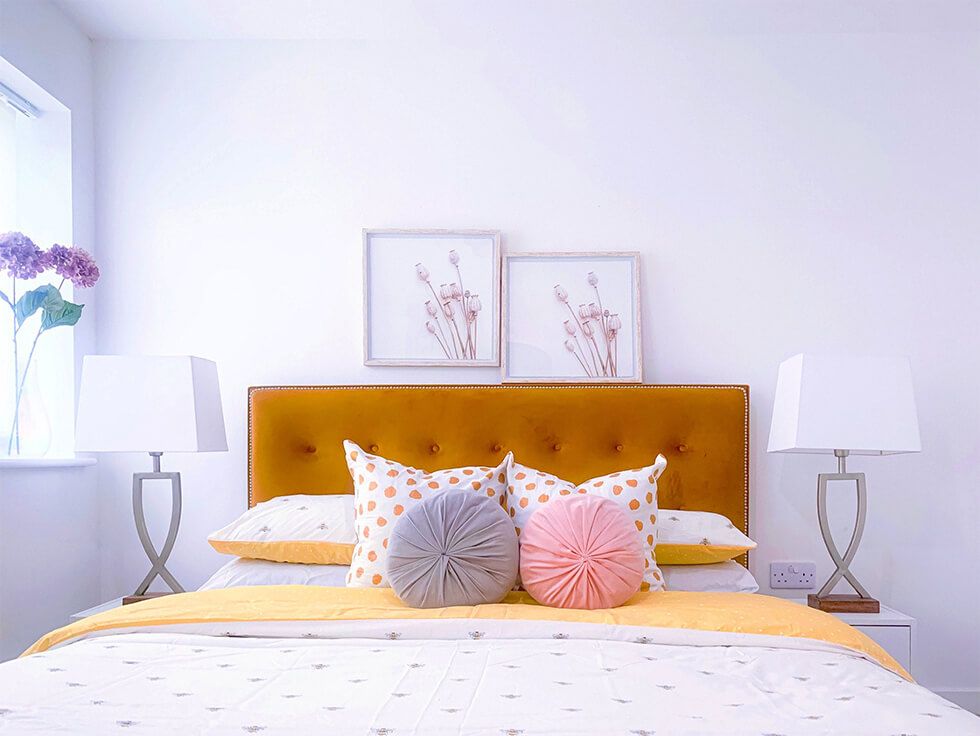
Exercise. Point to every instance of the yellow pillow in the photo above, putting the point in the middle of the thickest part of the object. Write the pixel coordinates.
(698, 538)
(307, 529)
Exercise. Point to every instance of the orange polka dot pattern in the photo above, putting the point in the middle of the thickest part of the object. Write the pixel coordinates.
(384, 489)
(634, 490)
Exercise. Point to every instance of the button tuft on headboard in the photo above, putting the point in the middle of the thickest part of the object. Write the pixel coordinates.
(557, 447)
(434, 449)
(374, 448)
(311, 449)
(497, 447)
(682, 447)
(619, 448)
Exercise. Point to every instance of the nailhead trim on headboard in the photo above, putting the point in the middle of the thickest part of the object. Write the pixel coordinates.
(558, 387)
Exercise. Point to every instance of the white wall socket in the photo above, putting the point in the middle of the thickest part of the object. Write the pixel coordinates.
(800, 575)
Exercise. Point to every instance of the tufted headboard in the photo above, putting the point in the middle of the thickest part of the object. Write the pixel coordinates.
(295, 435)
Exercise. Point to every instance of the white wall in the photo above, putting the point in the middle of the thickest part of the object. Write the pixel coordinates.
(49, 516)
(808, 189)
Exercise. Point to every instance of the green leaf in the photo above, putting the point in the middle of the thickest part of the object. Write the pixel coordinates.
(67, 315)
(44, 297)
(6, 299)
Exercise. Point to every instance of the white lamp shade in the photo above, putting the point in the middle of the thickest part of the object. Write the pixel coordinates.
(865, 405)
(149, 403)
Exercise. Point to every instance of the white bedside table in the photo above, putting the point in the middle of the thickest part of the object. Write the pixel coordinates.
(114, 603)
(892, 630)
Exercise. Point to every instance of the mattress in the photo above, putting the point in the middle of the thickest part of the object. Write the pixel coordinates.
(295, 660)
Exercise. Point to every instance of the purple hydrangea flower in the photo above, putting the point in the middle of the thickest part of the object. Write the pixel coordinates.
(74, 264)
(20, 257)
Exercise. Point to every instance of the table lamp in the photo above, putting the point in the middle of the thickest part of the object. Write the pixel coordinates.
(153, 404)
(844, 406)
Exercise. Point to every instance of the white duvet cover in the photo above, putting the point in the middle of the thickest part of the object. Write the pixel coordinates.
(442, 677)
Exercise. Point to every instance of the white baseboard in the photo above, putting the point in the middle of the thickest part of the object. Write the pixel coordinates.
(966, 699)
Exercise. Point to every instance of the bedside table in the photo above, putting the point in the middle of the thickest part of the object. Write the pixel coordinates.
(892, 630)
(114, 603)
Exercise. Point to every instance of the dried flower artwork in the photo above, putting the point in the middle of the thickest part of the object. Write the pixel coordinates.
(592, 332)
(452, 314)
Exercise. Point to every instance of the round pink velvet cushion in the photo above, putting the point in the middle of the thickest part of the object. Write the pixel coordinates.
(581, 551)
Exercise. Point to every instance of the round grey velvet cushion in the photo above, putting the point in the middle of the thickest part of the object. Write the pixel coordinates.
(457, 548)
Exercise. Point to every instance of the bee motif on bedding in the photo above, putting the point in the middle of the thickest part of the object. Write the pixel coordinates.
(319, 666)
(382, 731)
(512, 731)
(476, 634)
(392, 635)
(559, 636)
(127, 724)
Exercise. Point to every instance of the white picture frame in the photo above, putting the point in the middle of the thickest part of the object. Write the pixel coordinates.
(546, 337)
(405, 322)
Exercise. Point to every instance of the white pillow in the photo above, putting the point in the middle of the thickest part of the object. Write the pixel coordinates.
(698, 538)
(384, 489)
(721, 577)
(243, 571)
(306, 529)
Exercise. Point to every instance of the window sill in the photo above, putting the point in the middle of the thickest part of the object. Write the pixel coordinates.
(24, 463)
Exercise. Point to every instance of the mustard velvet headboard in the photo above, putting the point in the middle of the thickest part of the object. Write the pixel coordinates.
(295, 435)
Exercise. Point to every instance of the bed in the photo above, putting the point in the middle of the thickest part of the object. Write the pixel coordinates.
(305, 659)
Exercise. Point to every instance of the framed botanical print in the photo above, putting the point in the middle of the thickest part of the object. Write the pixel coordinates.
(572, 317)
(432, 297)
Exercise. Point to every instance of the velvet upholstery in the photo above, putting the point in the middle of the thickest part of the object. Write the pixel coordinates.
(577, 432)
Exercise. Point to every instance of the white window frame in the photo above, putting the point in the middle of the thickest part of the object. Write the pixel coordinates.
(41, 208)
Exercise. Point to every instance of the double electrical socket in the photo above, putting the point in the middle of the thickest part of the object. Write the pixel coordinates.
(798, 575)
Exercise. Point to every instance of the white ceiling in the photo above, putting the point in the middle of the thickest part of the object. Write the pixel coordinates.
(388, 19)
(239, 19)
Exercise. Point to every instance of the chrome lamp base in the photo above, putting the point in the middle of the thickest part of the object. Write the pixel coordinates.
(158, 560)
(825, 599)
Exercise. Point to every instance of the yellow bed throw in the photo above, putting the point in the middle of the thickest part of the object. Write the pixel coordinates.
(741, 613)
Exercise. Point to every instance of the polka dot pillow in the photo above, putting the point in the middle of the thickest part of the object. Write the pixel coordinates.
(635, 490)
(384, 489)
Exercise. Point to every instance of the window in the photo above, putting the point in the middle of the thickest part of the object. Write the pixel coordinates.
(35, 199)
